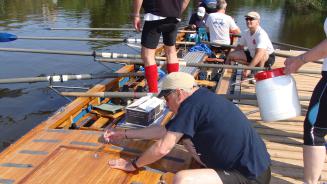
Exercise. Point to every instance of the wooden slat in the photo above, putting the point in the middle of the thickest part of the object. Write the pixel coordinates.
(100, 122)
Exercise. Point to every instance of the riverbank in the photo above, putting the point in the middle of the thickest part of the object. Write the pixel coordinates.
(306, 5)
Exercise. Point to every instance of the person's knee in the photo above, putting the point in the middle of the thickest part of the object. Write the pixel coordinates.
(148, 56)
(232, 54)
(182, 177)
(170, 50)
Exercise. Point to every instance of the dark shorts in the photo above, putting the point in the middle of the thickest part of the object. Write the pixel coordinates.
(314, 135)
(269, 62)
(235, 177)
(152, 31)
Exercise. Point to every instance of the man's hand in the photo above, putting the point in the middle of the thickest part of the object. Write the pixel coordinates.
(292, 64)
(121, 164)
(137, 23)
(113, 135)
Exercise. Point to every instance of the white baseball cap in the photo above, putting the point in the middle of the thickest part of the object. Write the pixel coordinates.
(201, 11)
(176, 80)
(253, 14)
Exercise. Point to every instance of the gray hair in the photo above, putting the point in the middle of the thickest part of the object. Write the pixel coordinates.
(221, 4)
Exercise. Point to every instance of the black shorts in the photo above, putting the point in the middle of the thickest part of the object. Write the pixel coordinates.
(152, 31)
(314, 135)
(269, 62)
(235, 177)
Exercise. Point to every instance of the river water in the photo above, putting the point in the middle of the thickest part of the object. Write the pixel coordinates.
(23, 106)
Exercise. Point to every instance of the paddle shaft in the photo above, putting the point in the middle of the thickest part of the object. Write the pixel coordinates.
(126, 40)
(142, 94)
(80, 53)
(64, 78)
(200, 65)
(80, 39)
(181, 31)
(113, 55)
(108, 29)
(108, 94)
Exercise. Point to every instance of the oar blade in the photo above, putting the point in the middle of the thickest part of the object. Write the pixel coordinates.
(7, 37)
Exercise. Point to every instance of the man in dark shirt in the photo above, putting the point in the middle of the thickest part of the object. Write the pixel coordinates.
(161, 17)
(222, 138)
(198, 19)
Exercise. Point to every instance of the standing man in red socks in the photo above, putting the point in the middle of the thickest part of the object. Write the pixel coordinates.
(160, 17)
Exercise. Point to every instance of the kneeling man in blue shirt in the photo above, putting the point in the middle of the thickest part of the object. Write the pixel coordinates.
(216, 132)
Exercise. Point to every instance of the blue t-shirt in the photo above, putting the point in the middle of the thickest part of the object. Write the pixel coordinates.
(222, 135)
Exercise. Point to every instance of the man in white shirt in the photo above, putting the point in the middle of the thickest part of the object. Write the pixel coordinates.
(260, 50)
(220, 25)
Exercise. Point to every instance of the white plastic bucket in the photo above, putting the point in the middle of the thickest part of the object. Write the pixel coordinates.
(277, 95)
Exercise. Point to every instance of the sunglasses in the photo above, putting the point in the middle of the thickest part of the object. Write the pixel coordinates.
(167, 94)
(249, 19)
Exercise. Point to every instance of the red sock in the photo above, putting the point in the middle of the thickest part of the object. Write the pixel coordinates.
(151, 75)
(172, 67)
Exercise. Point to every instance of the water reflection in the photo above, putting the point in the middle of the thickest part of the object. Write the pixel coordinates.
(7, 93)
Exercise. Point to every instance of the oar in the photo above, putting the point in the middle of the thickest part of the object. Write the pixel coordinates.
(108, 94)
(91, 29)
(142, 94)
(280, 44)
(107, 29)
(8, 37)
(287, 54)
(64, 78)
(181, 63)
(291, 46)
(81, 53)
(200, 65)
(181, 31)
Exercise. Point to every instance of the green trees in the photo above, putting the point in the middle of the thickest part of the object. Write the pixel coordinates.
(308, 4)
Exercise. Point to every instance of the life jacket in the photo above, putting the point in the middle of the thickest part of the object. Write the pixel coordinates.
(164, 8)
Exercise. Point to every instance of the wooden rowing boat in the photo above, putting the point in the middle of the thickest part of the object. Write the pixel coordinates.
(66, 148)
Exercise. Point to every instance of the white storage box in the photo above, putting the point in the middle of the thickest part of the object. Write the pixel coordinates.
(144, 110)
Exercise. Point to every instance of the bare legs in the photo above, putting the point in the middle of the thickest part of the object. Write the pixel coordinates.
(314, 158)
(197, 176)
(239, 56)
(151, 71)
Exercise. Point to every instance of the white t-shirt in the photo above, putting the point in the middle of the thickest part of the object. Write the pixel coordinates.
(324, 67)
(219, 25)
(259, 39)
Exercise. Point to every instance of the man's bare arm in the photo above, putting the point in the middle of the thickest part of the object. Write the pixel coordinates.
(151, 132)
(185, 3)
(159, 149)
(137, 4)
(259, 53)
